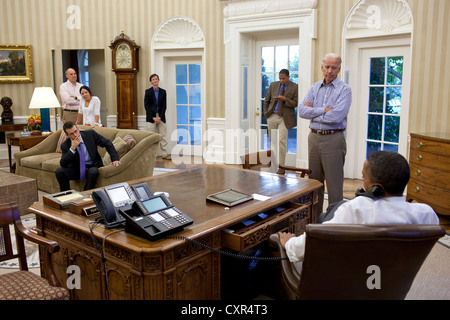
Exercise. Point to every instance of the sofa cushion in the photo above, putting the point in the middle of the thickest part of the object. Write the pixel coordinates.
(37, 161)
(51, 164)
(121, 147)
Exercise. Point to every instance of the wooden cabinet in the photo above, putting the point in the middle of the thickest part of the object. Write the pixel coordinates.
(429, 160)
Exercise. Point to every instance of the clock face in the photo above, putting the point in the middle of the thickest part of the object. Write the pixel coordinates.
(123, 57)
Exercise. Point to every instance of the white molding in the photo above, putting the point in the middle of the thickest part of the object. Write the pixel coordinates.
(178, 33)
(257, 22)
(251, 7)
(371, 18)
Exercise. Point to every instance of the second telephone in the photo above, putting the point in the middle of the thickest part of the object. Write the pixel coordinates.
(143, 213)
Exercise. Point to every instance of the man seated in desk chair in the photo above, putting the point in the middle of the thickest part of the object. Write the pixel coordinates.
(80, 159)
(385, 175)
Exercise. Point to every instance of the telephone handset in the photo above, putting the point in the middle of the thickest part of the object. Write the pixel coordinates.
(110, 200)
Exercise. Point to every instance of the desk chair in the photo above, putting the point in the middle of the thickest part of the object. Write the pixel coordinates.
(25, 285)
(262, 159)
(338, 261)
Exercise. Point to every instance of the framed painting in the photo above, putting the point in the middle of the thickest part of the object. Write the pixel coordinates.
(15, 64)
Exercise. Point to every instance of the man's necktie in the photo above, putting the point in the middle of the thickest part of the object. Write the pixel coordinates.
(82, 162)
(280, 103)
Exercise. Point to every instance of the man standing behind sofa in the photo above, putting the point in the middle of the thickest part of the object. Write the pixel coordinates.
(155, 103)
(69, 93)
(80, 159)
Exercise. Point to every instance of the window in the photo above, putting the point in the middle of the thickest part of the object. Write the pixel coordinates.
(384, 106)
(275, 58)
(83, 66)
(188, 100)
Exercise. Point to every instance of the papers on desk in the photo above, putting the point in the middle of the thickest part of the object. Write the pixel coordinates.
(260, 197)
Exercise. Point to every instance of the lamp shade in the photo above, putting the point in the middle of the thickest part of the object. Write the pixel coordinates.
(44, 98)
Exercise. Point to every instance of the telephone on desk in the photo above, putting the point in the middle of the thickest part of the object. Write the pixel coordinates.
(139, 210)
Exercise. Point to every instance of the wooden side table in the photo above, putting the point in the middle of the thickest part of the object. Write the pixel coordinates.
(24, 142)
(10, 127)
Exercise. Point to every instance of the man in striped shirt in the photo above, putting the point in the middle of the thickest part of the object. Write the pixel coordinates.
(327, 105)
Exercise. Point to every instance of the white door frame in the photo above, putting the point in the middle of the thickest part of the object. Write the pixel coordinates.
(355, 151)
(236, 28)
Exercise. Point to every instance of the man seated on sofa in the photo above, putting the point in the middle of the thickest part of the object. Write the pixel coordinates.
(385, 175)
(80, 159)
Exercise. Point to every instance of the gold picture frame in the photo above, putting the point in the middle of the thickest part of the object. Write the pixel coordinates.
(15, 64)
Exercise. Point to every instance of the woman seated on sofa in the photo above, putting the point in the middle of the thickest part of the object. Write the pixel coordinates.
(89, 110)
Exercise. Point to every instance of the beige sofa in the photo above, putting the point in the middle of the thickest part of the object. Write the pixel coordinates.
(41, 161)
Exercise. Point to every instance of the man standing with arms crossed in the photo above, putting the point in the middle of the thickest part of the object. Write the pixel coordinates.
(70, 95)
(327, 105)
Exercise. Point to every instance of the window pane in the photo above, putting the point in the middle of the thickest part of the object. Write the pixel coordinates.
(392, 130)
(390, 147)
(182, 115)
(194, 74)
(196, 136)
(393, 100)
(373, 146)
(183, 135)
(195, 115)
(376, 100)
(182, 97)
(377, 70)
(293, 58)
(375, 127)
(263, 118)
(292, 140)
(245, 93)
(267, 79)
(395, 71)
(294, 77)
(281, 58)
(181, 74)
(267, 59)
(194, 95)
(265, 142)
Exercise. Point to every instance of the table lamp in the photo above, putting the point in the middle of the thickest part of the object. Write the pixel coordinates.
(43, 99)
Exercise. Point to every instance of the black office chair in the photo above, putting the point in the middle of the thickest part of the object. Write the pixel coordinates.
(344, 261)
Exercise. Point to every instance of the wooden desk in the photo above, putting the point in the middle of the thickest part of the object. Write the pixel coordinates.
(23, 142)
(174, 269)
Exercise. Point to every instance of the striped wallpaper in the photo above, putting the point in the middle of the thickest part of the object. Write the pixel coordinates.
(42, 23)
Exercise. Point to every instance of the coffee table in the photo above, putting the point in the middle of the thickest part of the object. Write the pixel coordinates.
(22, 190)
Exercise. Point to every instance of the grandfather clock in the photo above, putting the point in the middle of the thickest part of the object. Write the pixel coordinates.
(125, 63)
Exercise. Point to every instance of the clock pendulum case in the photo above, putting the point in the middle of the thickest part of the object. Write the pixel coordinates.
(125, 64)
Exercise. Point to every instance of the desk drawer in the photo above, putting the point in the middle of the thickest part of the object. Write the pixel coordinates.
(257, 229)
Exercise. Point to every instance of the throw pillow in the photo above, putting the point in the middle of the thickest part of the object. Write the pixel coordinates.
(62, 138)
(121, 148)
(130, 140)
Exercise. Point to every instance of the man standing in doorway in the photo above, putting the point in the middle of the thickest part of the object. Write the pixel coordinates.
(70, 95)
(327, 105)
(279, 110)
(155, 103)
